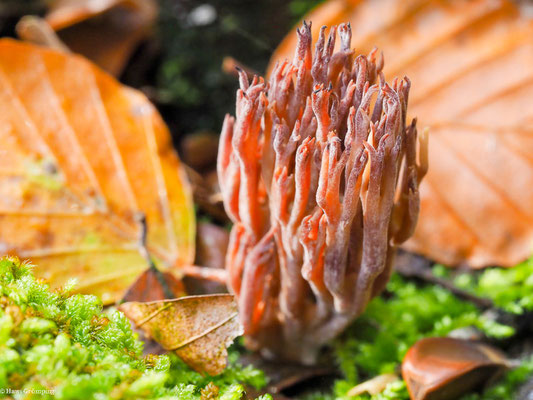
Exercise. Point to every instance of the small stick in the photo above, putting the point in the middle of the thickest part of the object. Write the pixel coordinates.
(413, 266)
(211, 274)
(36, 30)
(141, 220)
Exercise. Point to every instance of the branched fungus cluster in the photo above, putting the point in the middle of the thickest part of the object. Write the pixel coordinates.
(319, 173)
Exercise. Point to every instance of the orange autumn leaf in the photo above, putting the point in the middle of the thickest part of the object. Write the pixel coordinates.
(468, 61)
(82, 157)
(105, 31)
(197, 328)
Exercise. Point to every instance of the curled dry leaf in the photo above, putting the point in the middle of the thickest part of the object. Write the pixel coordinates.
(445, 368)
(197, 328)
(105, 31)
(81, 158)
(468, 62)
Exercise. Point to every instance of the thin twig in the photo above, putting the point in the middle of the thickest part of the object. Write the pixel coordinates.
(413, 266)
(212, 274)
(141, 219)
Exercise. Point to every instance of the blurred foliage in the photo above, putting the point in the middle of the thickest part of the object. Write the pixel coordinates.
(195, 36)
(12, 10)
(52, 340)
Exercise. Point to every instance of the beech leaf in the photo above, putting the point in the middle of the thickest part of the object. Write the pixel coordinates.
(197, 328)
(445, 368)
(467, 61)
(83, 160)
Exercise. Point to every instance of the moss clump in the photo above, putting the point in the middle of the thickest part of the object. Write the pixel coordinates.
(511, 289)
(377, 342)
(62, 346)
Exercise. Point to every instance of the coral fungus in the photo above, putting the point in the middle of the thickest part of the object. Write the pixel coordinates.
(319, 173)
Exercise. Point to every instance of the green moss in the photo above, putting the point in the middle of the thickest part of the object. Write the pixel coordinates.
(64, 346)
(377, 342)
(379, 339)
(511, 289)
(52, 340)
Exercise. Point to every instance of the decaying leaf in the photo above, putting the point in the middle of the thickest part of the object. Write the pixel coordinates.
(468, 61)
(105, 31)
(81, 158)
(445, 368)
(197, 328)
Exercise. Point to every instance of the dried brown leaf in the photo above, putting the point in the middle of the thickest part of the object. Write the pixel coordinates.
(197, 328)
(445, 368)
